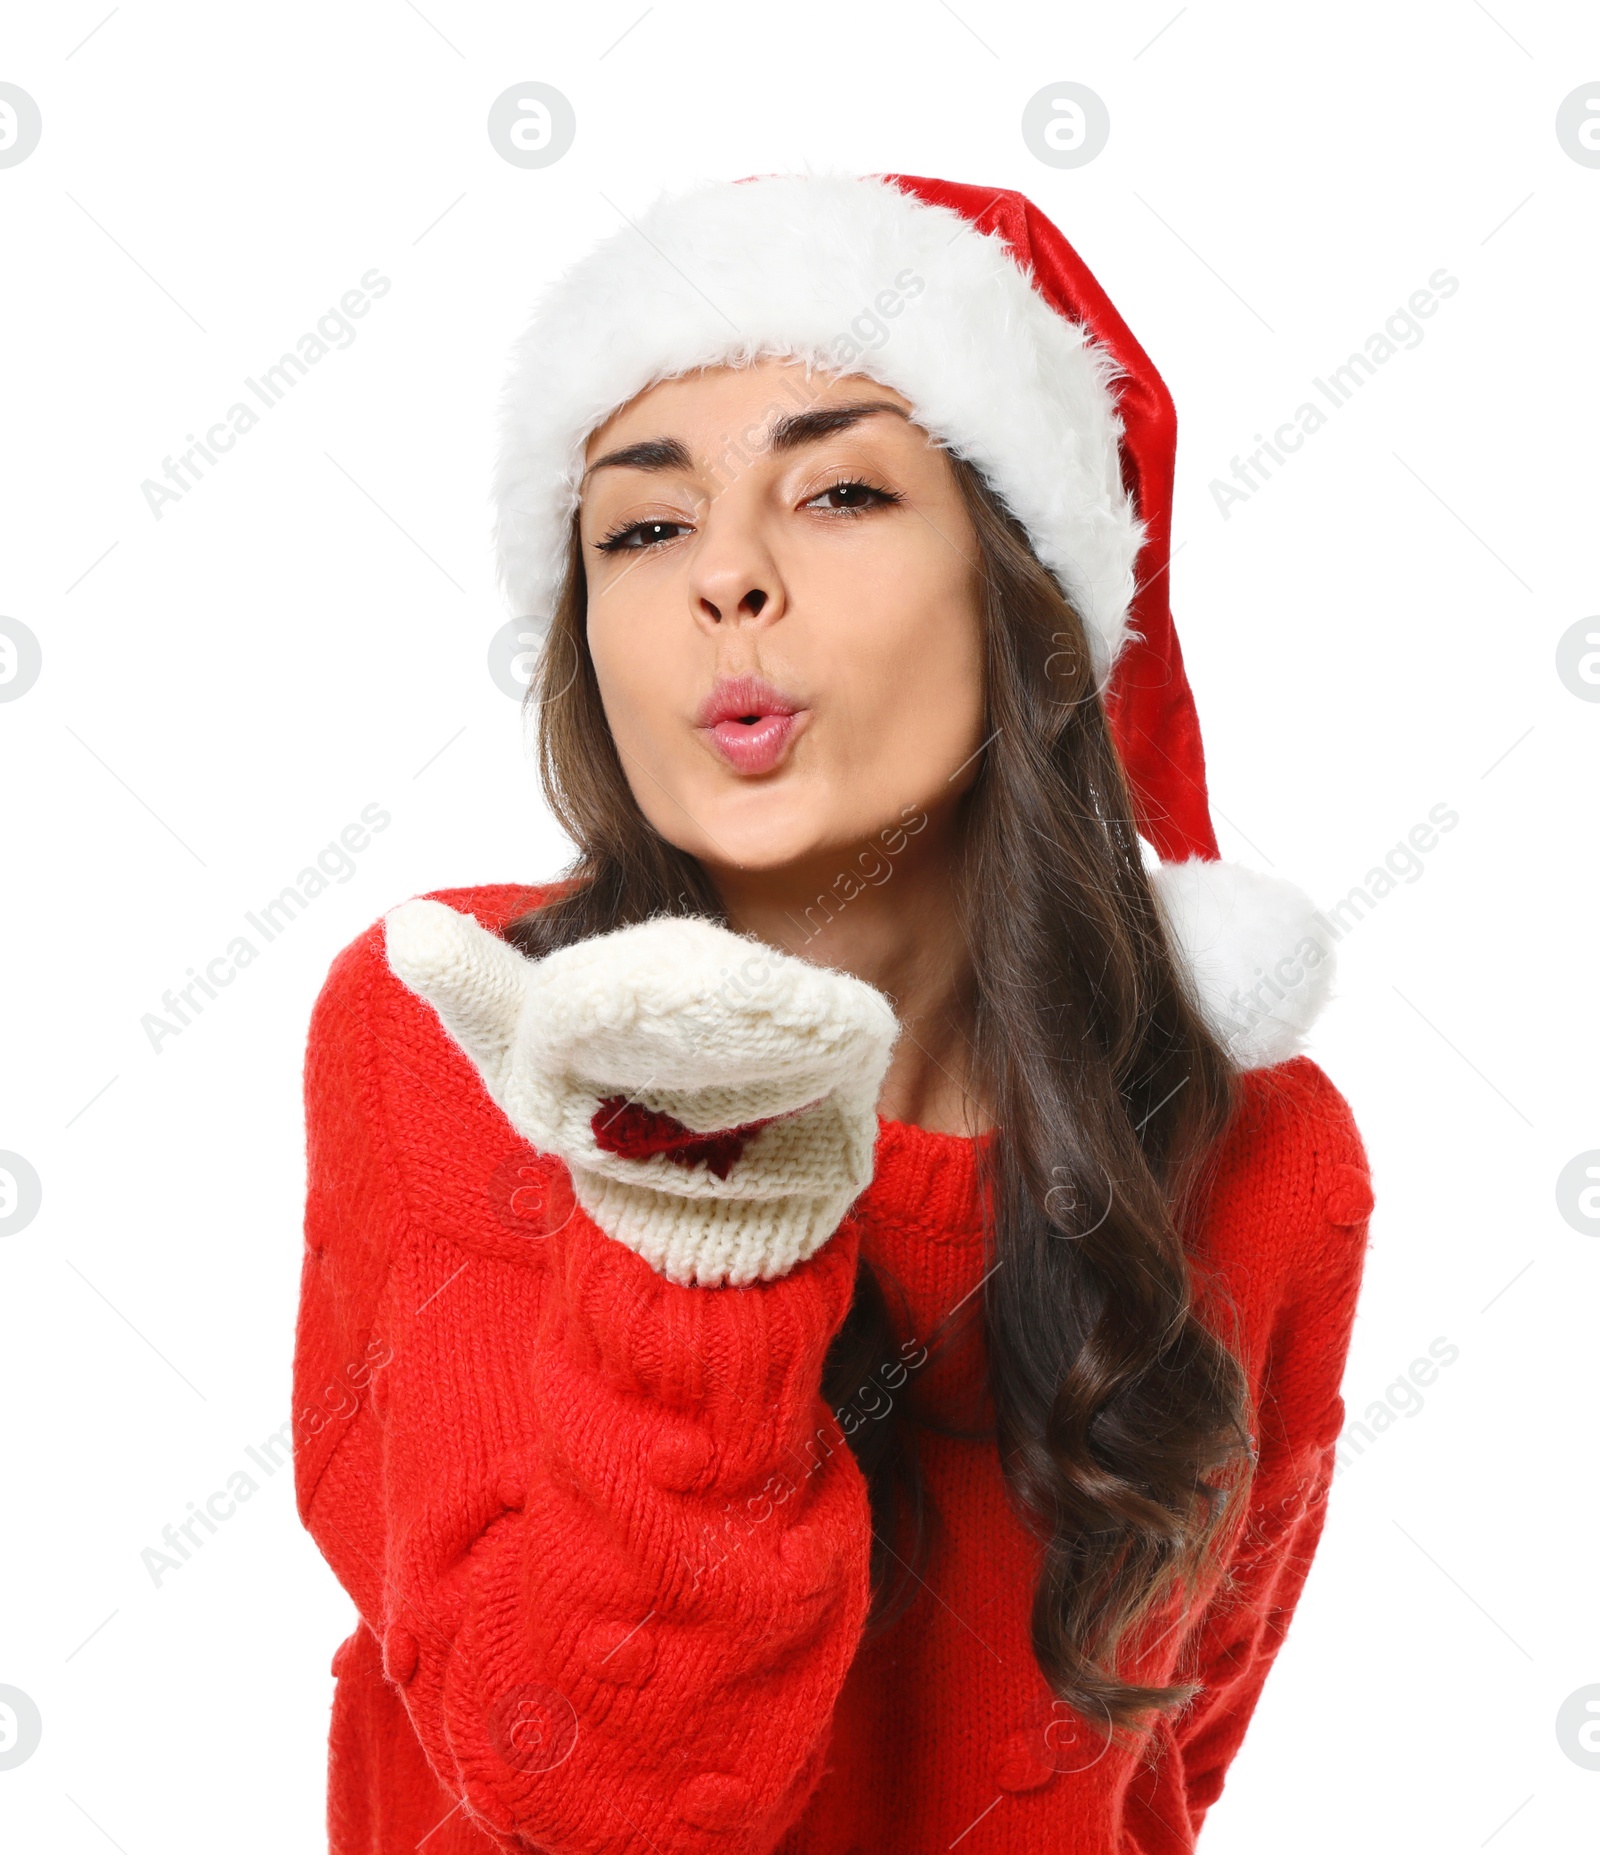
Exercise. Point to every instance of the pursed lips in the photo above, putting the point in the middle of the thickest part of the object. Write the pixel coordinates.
(750, 723)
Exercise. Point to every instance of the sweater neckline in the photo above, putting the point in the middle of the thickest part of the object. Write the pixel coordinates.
(929, 1179)
(920, 1133)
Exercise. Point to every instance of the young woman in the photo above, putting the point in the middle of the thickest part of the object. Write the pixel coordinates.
(821, 1330)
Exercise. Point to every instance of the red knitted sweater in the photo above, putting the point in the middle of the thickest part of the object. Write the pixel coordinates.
(609, 1546)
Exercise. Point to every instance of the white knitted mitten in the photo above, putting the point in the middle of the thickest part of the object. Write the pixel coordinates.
(714, 1099)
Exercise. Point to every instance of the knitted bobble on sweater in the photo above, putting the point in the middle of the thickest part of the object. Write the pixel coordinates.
(608, 1544)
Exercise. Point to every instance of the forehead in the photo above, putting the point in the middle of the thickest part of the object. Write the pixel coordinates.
(715, 402)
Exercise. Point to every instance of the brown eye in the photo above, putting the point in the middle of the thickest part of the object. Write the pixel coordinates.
(851, 496)
(640, 535)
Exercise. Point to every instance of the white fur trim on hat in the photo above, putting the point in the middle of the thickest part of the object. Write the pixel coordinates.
(851, 275)
(1260, 956)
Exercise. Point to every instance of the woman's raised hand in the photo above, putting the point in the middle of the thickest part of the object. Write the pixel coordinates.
(713, 1098)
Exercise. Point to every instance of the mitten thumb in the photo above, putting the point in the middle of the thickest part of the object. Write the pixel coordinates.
(471, 977)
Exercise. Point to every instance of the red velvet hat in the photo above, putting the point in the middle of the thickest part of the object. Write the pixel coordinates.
(1148, 699)
(971, 304)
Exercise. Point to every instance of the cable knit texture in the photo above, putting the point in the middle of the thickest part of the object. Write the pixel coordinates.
(609, 1546)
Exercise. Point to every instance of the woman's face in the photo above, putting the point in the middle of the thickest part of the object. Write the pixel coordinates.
(783, 612)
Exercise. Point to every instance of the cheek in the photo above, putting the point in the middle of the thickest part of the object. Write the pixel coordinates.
(918, 704)
(632, 669)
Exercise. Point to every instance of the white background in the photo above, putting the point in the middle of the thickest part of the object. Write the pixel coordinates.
(1371, 634)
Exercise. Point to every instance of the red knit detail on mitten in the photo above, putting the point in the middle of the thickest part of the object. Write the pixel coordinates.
(637, 1132)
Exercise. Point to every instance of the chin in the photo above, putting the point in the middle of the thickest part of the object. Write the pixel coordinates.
(746, 845)
(759, 829)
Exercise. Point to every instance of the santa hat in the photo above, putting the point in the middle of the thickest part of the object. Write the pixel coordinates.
(971, 304)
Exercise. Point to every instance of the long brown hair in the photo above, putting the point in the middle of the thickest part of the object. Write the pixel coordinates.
(1122, 1421)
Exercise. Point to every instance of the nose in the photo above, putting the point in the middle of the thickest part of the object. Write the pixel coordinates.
(751, 603)
(734, 578)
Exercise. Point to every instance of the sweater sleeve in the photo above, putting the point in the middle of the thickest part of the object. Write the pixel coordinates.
(1325, 1177)
(603, 1525)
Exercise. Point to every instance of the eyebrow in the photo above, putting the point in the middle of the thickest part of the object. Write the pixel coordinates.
(799, 428)
(789, 433)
